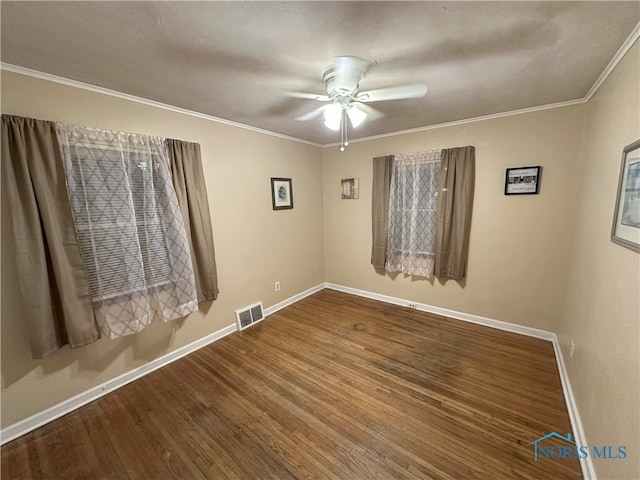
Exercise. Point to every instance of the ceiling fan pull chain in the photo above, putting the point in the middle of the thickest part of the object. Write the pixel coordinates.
(343, 131)
(345, 139)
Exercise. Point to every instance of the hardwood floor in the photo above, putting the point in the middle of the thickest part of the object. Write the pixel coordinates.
(334, 386)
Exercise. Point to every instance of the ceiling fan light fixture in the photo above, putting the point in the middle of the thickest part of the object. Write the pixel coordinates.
(344, 98)
(333, 116)
(356, 116)
(332, 126)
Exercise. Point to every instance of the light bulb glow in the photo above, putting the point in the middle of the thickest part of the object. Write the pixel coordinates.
(333, 116)
(356, 116)
(332, 126)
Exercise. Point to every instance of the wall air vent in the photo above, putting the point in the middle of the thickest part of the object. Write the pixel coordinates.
(250, 315)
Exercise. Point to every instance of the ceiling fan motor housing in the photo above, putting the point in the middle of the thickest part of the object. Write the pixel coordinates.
(342, 82)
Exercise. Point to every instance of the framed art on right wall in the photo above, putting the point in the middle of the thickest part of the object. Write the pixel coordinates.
(626, 217)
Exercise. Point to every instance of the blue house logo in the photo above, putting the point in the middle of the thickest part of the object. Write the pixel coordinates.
(545, 452)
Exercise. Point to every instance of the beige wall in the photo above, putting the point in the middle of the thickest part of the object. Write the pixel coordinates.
(543, 261)
(255, 246)
(519, 244)
(602, 309)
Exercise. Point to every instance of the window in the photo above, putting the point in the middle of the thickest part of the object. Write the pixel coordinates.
(412, 213)
(105, 225)
(129, 227)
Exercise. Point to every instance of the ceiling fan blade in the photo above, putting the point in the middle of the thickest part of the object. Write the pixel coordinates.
(312, 96)
(393, 93)
(316, 112)
(372, 113)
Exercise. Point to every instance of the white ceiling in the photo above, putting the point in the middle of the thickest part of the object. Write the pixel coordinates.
(237, 60)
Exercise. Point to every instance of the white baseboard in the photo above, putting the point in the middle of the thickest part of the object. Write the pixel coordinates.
(31, 423)
(588, 471)
(41, 418)
(291, 300)
(586, 464)
(467, 317)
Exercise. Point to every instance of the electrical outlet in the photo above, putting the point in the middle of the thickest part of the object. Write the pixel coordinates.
(277, 285)
(572, 349)
(412, 305)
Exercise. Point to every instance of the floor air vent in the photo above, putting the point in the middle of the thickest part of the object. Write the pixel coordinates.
(249, 315)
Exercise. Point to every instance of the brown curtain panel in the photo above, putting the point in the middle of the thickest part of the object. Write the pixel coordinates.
(188, 180)
(453, 217)
(58, 308)
(382, 168)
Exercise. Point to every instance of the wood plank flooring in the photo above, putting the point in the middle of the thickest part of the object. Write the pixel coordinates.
(334, 386)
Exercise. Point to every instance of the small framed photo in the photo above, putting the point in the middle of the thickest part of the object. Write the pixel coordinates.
(281, 193)
(522, 181)
(349, 188)
(626, 217)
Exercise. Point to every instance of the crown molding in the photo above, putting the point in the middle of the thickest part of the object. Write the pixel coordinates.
(622, 51)
(125, 96)
(491, 116)
(631, 39)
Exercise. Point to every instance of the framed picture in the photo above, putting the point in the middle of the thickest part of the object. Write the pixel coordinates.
(349, 188)
(522, 181)
(626, 218)
(281, 193)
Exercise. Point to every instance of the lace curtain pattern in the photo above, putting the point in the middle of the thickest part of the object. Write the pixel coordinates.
(412, 213)
(129, 227)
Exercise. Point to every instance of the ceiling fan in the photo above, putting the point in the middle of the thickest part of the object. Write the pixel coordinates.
(345, 100)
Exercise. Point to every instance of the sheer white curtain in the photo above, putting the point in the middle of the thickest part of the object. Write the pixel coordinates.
(412, 213)
(128, 223)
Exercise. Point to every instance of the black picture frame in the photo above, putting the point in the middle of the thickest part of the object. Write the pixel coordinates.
(522, 180)
(626, 216)
(281, 193)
